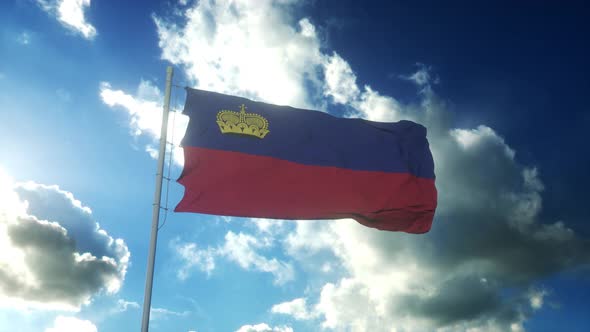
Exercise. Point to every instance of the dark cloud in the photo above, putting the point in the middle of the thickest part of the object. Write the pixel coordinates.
(51, 203)
(66, 257)
(504, 252)
(488, 236)
(459, 299)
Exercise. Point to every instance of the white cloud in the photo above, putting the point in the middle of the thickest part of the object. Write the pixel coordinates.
(145, 109)
(472, 138)
(123, 305)
(349, 305)
(191, 256)
(268, 226)
(245, 48)
(297, 308)
(263, 327)
(340, 80)
(309, 237)
(225, 219)
(373, 106)
(24, 38)
(53, 255)
(145, 115)
(162, 313)
(422, 77)
(242, 249)
(71, 324)
(536, 298)
(70, 13)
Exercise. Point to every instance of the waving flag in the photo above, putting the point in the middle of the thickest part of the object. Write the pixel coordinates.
(251, 159)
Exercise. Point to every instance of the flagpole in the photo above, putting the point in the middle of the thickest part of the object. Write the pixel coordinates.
(149, 277)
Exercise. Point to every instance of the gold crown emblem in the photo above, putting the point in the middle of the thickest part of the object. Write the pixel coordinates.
(242, 123)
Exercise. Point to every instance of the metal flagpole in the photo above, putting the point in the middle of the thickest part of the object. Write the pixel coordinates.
(149, 277)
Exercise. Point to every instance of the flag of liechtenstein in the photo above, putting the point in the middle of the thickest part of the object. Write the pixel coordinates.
(252, 159)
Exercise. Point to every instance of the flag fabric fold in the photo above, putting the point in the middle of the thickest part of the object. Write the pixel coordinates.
(251, 159)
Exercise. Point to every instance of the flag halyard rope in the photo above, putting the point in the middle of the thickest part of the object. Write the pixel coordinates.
(170, 158)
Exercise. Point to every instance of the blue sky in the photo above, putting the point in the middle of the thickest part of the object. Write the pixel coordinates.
(500, 86)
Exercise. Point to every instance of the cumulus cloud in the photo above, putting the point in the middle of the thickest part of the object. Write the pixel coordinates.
(242, 249)
(340, 81)
(144, 110)
(245, 48)
(297, 308)
(70, 13)
(263, 327)
(268, 226)
(53, 254)
(71, 324)
(191, 257)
